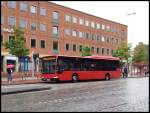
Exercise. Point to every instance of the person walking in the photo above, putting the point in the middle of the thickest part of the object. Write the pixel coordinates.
(9, 75)
(125, 72)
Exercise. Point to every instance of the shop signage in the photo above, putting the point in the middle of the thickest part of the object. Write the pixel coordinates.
(11, 58)
(7, 30)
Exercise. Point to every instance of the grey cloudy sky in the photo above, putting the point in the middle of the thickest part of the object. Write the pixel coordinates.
(138, 24)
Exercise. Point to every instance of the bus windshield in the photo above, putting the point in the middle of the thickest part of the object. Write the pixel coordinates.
(48, 66)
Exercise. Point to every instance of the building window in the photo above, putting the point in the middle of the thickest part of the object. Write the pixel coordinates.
(33, 9)
(33, 43)
(11, 20)
(97, 50)
(42, 12)
(116, 41)
(107, 51)
(111, 29)
(23, 23)
(67, 18)
(2, 19)
(74, 20)
(55, 30)
(55, 15)
(103, 38)
(11, 38)
(92, 49)
(23, 6)
(80, 48)
(86, 23)
(98, 37)
(103, 27)
(42, 27)
(112, 51)
(67, 47)
(55, 46)
(122, 35)
(67, 31)
(102, 51)
(92, 24)
(74, 47)
(42, 43)
(81, 21)
(11, 4)
(107, 39)
(33, 26)
(108, 28)
(92, 36)
(74, 33)
(87, 35)
(98, 26)
(112, 39)
(115, 30)
(80, 34)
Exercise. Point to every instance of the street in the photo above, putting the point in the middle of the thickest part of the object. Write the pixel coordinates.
(130, 94)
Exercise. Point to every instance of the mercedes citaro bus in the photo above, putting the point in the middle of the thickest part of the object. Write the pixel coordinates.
(73, 68)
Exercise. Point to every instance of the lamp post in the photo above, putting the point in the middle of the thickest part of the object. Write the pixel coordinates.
(131, 14)
(32, 64)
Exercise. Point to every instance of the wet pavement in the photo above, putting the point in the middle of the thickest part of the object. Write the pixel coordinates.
(131, 94)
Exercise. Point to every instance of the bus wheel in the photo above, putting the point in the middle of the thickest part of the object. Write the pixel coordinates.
(74, 78)
(107, 77)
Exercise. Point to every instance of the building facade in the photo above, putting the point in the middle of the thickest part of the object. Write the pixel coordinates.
(54, 29)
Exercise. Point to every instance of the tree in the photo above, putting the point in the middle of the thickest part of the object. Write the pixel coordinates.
(141, 56)
(123, 52)
(86, 51)
(17, 46)
(141, 53)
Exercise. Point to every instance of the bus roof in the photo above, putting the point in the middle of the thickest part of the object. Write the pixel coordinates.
(89, 57)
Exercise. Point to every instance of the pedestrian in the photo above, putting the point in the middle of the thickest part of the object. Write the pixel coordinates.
(9, 75)
(125, 72)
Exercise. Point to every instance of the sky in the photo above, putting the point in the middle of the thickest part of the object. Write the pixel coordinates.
(138, 24)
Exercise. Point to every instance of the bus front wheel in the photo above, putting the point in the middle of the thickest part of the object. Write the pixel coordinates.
(107, 77)
(74, 78)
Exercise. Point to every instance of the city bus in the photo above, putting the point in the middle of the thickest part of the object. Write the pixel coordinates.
(73, 68)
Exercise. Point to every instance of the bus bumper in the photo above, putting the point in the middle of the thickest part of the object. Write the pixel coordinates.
(50, 79)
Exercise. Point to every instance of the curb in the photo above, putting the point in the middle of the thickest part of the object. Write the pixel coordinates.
(5, 84)
(22, 91)
(22, 82)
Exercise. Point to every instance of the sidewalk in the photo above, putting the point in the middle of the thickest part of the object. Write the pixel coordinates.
(27, 80)
(136, 76)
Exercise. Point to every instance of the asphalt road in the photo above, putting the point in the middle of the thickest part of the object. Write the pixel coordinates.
(131, 94)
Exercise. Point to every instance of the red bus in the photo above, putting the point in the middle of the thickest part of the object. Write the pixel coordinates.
(67, 68)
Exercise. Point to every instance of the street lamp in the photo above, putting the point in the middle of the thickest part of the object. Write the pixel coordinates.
(131, 14)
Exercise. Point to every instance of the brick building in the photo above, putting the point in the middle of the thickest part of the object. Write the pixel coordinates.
(55, 29)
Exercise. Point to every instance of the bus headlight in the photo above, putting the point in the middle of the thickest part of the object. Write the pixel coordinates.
(55, 77)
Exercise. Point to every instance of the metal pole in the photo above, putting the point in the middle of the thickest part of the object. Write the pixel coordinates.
(32, 66)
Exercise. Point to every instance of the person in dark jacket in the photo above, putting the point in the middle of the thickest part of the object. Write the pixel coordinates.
(125, 72)
(9, 75)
